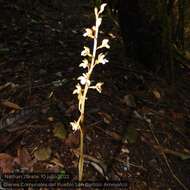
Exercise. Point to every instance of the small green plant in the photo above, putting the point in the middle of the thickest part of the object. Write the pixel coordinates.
(91, 59)
(61, 175)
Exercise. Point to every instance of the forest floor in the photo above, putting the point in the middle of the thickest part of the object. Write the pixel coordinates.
(137, 129)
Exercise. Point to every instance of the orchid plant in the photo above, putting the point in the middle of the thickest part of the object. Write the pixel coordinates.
(91, 59)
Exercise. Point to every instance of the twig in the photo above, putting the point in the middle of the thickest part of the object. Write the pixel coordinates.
(131, 164)
(172, 152)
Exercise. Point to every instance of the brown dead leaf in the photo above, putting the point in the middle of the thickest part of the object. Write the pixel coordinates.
(57, 162)
(2, 87)
(131, 134)
(59, 131)
(72, 139)
(176, 115)
(156, 94)
(7, 163)
(146, 109)
(43, 153)
(187, 55)
(115, 136)
(24, 158)
(5, 138)
(106, 117)
(146, 139)
(50, 119)
(11, 105)
(129, 100)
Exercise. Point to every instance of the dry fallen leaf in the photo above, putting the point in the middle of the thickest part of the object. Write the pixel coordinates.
(11, 105)
(115, 136)
(131, 134)
(2, 87)
(59, 131)
(129, 100)
(24, 158)
(7, 163)
(50, 119)
(73, 139)
(43, 153)
(156, 93)
(106, 117)
(57, 162)
(176, 115)
(187, 55)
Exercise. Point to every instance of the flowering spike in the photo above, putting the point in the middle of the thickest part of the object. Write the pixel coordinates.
(84, 84)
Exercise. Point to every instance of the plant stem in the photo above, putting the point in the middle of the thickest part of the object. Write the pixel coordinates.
(81, 159)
